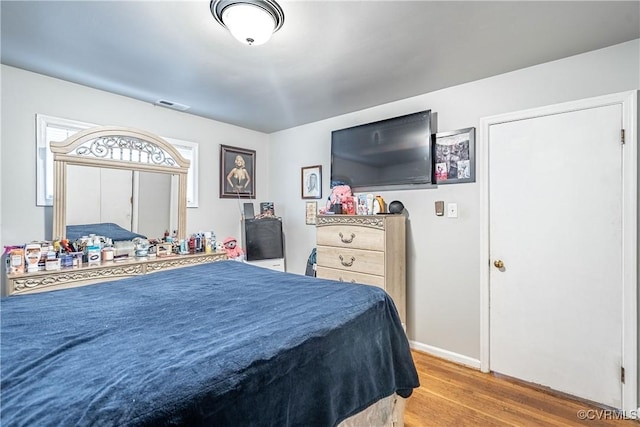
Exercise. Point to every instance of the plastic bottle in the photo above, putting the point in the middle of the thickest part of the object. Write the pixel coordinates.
(213, 242)
(207, 242)
(198, 243)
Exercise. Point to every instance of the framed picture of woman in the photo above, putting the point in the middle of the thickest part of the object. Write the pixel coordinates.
(311, 182)
(237, 173)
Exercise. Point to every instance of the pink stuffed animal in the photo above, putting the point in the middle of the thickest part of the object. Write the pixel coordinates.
(232, 249)
(339, 194)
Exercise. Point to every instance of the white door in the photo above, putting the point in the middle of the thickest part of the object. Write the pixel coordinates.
(152, 198)
(555, 221)
(99, 195)
(116, 187)
(83, 195)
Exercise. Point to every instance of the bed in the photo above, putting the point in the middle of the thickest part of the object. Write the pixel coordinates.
(221, 344)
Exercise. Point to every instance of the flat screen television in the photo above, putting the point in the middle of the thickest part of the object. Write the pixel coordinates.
(390, 154)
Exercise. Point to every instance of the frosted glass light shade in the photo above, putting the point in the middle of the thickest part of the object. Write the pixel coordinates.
(248, 23)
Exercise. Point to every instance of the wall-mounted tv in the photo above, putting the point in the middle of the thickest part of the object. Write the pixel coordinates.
(390, 154)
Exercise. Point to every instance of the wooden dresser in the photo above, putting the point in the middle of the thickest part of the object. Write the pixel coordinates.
(23, 283)
(368, 249)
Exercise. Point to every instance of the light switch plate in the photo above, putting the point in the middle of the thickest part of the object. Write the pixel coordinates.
(452, 210)
(439, 208)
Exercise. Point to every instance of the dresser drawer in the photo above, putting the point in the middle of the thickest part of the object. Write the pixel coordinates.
(349, 276)
(351, 236)
(358, 260)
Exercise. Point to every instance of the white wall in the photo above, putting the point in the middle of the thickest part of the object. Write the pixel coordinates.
(443, 312)
(24, 94)
(443, 261)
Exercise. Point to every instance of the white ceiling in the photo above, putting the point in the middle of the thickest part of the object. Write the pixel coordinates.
(330, 57)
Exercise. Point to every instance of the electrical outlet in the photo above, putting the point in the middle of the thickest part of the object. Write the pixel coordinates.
(452, 210)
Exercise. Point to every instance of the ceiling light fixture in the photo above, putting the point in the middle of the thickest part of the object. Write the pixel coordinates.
(252, 22)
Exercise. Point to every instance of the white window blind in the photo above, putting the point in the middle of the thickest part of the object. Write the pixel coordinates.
(50, 129)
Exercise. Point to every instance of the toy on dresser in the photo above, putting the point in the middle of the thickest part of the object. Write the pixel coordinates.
(232, 249)
(340, 198)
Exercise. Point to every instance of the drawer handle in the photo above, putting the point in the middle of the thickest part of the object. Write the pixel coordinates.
(346, 240)
(348, 263)
(350, 281)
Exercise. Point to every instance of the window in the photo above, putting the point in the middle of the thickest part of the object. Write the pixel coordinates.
(50, 129)
(56, 129)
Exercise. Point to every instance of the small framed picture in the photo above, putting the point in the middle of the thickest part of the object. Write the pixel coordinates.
(266, 208)
(454, 157)
(237, 173)
(311, 213)
(311, 182)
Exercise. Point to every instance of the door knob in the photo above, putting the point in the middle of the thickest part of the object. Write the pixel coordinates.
(498, 263)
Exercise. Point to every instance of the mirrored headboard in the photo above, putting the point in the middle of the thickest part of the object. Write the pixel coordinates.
(111, 148)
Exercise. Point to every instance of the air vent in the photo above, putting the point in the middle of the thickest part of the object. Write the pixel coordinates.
(172, 105)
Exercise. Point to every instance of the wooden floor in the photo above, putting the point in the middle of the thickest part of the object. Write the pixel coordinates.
(454, 395)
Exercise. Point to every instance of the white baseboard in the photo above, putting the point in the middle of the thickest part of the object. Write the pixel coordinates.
(446, 354)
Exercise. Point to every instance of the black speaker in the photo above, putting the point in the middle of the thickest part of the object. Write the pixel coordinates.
(263, 239)
(396, 207)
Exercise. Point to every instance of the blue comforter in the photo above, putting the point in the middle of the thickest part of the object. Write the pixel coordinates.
(221, 344)
(105, 229)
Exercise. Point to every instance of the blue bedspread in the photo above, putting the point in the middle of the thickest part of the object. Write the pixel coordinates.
(221, 344)
(105, 229)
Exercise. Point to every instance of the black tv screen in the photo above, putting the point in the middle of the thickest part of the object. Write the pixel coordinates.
(385, 155)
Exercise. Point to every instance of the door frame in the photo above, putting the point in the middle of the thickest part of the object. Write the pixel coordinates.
(629, 101)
